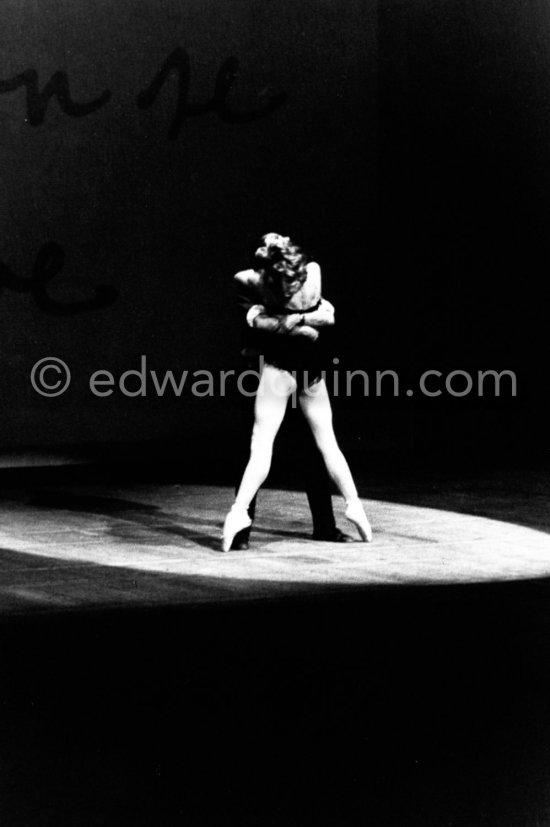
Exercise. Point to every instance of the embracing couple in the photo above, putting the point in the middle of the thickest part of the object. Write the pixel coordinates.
(286, 313)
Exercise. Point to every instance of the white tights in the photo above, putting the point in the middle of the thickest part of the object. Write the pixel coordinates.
(274, 390)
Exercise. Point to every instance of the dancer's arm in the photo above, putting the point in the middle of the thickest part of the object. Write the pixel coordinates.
(322, 316)
(256, 315)
(245, 290)
(289, 324)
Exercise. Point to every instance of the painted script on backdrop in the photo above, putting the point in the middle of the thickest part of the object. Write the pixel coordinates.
(50, 258)
(48, 263)
(178, 61)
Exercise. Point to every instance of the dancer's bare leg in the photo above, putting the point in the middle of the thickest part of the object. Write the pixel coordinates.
(273, 392)
(315, 404)
(274, 389)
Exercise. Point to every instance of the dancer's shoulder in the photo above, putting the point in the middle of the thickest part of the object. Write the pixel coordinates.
(313, 274)
(311, 289)
(247, 278)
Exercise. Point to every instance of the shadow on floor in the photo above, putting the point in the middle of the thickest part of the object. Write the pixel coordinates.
(516, 492)
(146, 524)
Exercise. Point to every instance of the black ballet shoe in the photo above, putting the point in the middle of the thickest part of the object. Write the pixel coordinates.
(240, 541)
(335, 536)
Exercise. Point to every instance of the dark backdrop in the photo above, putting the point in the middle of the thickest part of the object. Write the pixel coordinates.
(405, 144)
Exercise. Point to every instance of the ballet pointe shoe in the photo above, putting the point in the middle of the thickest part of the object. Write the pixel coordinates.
(236, 520)
(356, 515)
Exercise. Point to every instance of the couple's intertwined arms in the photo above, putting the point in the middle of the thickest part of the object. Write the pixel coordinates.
(299, 323)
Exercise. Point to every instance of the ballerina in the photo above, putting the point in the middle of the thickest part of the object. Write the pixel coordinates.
(290, 312)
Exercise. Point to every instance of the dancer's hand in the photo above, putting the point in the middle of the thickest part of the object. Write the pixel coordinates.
(289, 321)
(307, 331)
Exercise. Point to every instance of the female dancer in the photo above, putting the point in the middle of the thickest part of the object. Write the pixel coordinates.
(288, 313)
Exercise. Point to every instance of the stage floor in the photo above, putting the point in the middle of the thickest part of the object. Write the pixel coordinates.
(148, 679)
(85, 545)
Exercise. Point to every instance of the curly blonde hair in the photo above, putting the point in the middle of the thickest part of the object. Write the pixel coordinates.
(278, 257)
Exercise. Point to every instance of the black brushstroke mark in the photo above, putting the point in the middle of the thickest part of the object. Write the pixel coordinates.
(58, 86)
(179, 62)
(49, 262)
